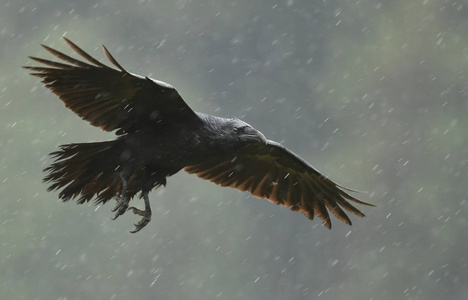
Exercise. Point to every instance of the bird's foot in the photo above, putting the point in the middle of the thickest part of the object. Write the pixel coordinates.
(121, 207)
(146, 214)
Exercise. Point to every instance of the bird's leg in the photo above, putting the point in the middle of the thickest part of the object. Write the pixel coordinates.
(146, 214)
(122, 199)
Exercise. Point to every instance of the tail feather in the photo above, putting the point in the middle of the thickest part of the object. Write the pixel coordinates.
(85, 170)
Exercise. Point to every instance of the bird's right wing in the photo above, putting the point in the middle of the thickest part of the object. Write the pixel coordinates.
(110, 98)
(273, 172)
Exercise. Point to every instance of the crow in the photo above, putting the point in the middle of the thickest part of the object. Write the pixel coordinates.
(158, 135)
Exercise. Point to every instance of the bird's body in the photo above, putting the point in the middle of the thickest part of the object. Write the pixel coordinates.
(159, 134)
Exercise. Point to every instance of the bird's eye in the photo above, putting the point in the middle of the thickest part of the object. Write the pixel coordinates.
(238, 129)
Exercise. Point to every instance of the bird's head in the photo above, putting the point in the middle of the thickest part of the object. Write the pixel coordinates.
(246, 133)
(229, 133)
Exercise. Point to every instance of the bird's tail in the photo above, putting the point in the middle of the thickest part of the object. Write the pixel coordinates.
(85, 170)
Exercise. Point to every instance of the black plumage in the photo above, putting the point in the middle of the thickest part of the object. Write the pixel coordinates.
(159, 134)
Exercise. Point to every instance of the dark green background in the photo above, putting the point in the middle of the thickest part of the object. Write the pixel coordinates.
(373, 94)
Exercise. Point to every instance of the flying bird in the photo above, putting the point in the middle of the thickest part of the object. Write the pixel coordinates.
(158, 135)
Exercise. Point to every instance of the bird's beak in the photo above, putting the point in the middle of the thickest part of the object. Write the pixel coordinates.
(252, 135)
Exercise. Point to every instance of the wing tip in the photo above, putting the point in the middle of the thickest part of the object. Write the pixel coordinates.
(67, 40)
(349, 197)
(112, 59)
(327, 223)
(47, 48)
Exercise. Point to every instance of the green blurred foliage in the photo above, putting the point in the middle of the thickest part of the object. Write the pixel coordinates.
(372, 93)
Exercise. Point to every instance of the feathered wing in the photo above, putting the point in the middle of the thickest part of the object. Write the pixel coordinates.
(110, 98)
(273, 172)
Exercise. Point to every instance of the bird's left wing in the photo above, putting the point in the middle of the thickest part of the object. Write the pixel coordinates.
(110, 98)
(273, 172)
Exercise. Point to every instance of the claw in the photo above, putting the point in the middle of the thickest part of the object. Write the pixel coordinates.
(144, 221)
(146, 214)
(121, 206)
(122, 200)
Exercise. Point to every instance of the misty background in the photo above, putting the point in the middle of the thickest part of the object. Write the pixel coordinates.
(372, 93)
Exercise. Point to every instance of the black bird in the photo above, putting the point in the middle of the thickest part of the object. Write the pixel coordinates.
(159, 134)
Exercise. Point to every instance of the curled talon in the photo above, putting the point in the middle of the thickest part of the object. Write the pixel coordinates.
(121, 207)
(146, 214)
(143, 222)
(120, 211)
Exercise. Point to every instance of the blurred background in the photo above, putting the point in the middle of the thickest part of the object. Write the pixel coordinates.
(373, 94)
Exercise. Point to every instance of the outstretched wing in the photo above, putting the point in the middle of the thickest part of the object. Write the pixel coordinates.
(273, 172)
(110, 98)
